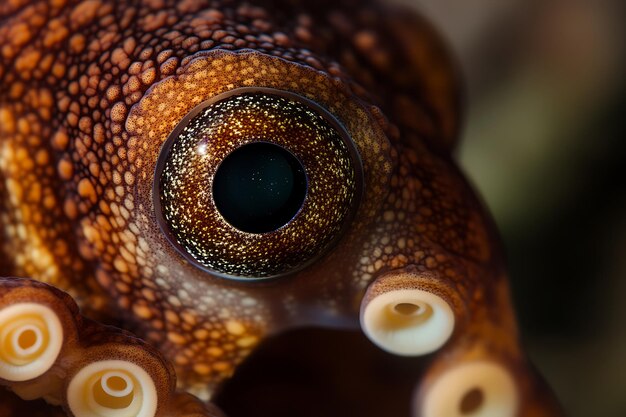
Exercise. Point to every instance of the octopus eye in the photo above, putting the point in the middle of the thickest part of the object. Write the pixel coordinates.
(256, 183)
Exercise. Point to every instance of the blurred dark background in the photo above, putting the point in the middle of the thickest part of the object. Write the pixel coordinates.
(545, 146)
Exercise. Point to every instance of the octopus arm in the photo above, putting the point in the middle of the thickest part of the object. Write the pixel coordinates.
(49, 351)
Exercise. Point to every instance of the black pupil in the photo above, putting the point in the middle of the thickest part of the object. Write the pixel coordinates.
(259, 187)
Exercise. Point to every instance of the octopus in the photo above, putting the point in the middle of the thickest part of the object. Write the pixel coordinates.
(215, 207)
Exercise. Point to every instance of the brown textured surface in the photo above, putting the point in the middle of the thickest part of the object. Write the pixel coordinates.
(91, 90)
(86, 342)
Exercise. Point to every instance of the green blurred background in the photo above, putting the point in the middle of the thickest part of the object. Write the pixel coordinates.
(544, 144)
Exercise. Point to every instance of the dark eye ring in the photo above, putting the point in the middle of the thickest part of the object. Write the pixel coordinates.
(279, 136)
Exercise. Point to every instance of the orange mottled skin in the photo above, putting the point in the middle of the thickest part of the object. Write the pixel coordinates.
(89, 91)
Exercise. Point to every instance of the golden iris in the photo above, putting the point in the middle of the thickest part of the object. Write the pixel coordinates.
(256, 183)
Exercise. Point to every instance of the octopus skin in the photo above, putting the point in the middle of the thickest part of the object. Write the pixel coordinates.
(125, 292)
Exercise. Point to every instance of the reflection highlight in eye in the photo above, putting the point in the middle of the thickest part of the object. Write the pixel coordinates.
(256, 183)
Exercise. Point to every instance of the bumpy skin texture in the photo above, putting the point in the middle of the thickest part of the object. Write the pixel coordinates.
(90, 90)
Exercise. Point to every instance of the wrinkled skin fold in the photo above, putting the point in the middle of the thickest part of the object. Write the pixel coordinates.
(89, 93)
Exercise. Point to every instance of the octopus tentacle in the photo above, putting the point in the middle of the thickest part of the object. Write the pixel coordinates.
(468, 379)
(48, 350)
(480, 386)
(471, 377)
(409, 314)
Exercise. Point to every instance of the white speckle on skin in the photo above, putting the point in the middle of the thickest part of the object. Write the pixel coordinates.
(248, 302)
(183, 295)
(173, 300)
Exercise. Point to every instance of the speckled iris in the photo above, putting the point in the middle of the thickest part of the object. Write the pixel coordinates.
(256, 183)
